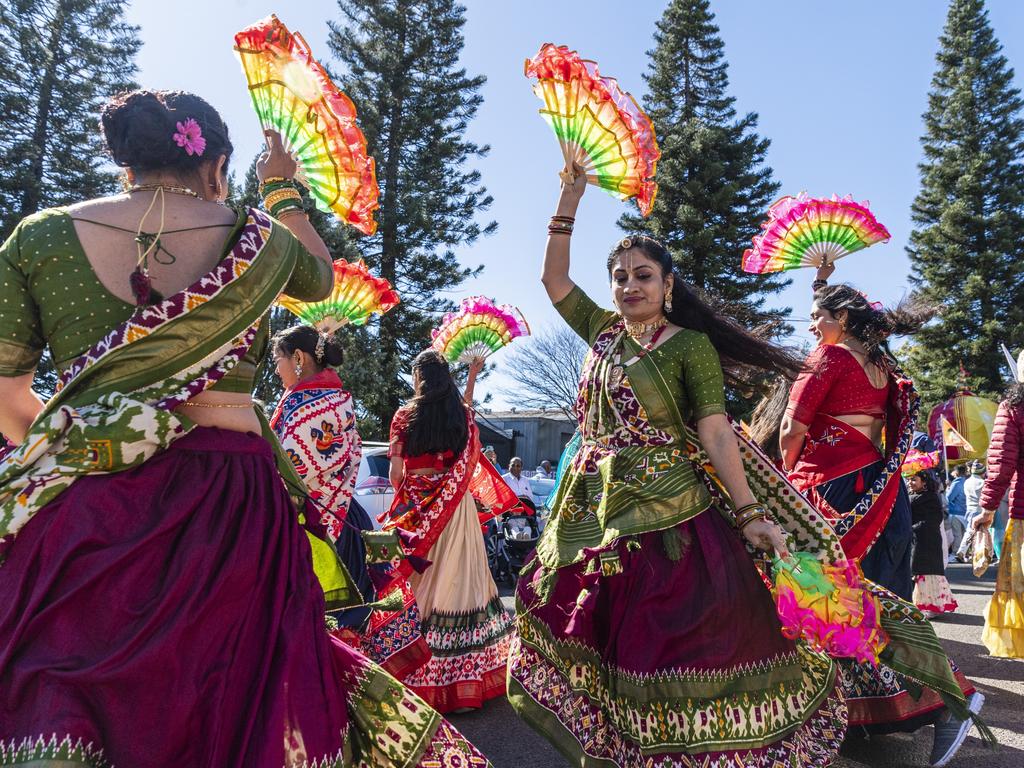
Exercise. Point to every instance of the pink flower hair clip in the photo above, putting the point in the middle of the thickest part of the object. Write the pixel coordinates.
(190, 137)
(875, 305)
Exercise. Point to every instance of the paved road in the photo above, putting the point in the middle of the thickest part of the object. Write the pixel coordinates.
(509, 743)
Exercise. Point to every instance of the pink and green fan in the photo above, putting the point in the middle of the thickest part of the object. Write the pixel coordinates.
(828, 607)
(293, 95)
(356, 296)
(599, 126)
(807, 231)
(478, 329)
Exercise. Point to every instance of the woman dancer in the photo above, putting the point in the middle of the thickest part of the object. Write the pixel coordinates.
(931, 588)
(850, 391)
(316, 424)
(1004, 616)
(646, 635)
(160, 607)
(435, 453)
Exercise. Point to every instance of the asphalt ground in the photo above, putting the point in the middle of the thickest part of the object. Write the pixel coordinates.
(510, 743)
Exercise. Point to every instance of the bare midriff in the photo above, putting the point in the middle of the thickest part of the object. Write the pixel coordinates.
(226, 410)
(869, 426)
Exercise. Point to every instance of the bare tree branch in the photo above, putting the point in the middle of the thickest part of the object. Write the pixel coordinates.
(546, 370)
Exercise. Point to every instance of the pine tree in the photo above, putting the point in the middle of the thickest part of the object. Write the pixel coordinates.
(59, 61)
(714, 184)
(966, 250)
(401, 69)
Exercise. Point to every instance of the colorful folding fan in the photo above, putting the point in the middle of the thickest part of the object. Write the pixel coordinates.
(919, 461)
(478, 329)
(293, 95)
(827, 607)
(803, 231)
(357, 294)
(600, 127)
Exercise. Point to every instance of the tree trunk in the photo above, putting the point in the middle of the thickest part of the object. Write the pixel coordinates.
(32, 196)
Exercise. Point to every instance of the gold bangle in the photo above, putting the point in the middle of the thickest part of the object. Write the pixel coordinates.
(280, 195)
(192, 404)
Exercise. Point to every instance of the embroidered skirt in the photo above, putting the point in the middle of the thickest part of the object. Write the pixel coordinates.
(1004, 615)
(392, 639)
(666, 650)
(466, 627)
(169, 615)
(879, 699)
(932, 593)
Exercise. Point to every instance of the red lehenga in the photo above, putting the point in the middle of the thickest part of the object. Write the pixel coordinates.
(465, 624)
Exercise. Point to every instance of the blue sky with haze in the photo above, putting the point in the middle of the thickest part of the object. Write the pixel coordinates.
(839, 88)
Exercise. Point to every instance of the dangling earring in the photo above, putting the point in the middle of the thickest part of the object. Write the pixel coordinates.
(298, 368)
(668, 303)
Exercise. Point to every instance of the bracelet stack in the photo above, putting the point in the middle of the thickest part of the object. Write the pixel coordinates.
(748, 513)
(561, 225)
(280, 196)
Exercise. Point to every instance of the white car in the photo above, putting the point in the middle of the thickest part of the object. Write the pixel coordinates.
(373, 488)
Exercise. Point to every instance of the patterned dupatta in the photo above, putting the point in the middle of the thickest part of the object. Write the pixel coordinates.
(834, 449)
(913, 649)
(424, 504)
(315, 422)
(114, 406)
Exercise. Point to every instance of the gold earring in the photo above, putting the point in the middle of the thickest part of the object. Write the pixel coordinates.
(668, 303)
(298, 368)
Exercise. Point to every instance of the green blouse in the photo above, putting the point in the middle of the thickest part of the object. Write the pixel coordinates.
(633, 472)
(670, 401)
(50, 295)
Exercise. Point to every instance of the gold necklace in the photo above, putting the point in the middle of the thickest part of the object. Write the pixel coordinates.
(637, 331)
(164, 187)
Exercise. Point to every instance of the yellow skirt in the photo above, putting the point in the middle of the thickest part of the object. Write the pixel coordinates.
(1004, 616)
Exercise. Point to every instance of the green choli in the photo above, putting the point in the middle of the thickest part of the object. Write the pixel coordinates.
(50, 295)
(632, 473)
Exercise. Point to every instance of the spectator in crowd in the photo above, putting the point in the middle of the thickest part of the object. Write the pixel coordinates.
(972, 501)
(517, 481)
(492, 456)
(545, 471)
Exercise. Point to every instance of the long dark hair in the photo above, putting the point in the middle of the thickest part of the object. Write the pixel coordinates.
(739, 350)
(307, 339)
(873, 327)
(436, 414)
(766, 420)
(931, 485)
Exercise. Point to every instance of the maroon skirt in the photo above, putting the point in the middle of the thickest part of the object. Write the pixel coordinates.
(169, 615)
(666, 650)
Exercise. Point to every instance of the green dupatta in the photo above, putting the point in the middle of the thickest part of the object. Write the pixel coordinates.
(114, 408)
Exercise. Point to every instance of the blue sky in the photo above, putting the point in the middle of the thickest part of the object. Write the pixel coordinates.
(839, 88)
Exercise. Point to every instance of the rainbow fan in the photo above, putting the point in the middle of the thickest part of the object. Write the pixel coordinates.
(600, 127)
(478, 329)
(919, 461)
(293, 95)
(357, 294)
(804, 231)
(827, 607)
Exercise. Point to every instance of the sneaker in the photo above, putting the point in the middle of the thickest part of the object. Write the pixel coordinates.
(951, 732)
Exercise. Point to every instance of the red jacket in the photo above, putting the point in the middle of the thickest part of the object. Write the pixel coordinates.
(1006, 461)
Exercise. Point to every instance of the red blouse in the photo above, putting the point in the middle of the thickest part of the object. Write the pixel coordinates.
(436, 461)
(834, 383)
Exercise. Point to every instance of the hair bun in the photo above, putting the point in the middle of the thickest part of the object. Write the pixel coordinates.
(139, 128)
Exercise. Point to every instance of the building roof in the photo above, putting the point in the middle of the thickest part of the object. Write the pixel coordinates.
(526, 414)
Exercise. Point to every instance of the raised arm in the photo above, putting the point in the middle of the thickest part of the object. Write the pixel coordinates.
(475, 366)
(276, 162)
(555, 275)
